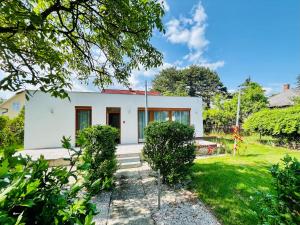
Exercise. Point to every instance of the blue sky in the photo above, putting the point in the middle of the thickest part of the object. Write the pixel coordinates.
(257, 38)
(237, 38)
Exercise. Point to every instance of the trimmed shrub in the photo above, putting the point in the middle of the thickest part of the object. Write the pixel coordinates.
(33, 193)
(99, 156)
(169, 146)
(282, 124)
(284, 206)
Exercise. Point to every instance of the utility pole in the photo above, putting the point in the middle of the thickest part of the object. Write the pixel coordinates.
(237, 120)
(146, 104)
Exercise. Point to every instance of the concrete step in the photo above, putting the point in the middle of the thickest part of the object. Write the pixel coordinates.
(126, 155)
(129, 159)
(128, 165)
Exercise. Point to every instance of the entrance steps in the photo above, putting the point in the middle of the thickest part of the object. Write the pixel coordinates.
(129, 160)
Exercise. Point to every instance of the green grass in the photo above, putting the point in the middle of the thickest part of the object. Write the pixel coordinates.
(226, 184)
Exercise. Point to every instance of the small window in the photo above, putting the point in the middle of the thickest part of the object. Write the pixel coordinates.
(83, 117)
(16, 106)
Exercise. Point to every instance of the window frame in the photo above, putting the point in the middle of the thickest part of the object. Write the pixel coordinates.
(77, 110)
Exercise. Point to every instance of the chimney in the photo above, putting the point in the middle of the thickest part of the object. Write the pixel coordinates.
(286, 87)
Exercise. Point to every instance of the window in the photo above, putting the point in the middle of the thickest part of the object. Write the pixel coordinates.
(161, 116)
(181, 116)
(142, 124)
(16, 106)
(83, 117)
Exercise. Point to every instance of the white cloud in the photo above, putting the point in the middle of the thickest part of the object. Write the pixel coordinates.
(165, 5)
(191, 32)
(138, 76)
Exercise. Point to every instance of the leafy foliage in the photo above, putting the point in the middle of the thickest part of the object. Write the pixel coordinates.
(284, 207)
(169, 146)
(43, 42)
(12, 130)
(192, 81)
(99, 156)
(283, 124)
(33, 193)
(223, 113)
(298, 81)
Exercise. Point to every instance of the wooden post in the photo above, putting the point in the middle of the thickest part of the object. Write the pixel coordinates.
(158, 191)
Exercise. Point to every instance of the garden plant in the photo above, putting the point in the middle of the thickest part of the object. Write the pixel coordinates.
(281, 124)
(169, 146)
(99, 157)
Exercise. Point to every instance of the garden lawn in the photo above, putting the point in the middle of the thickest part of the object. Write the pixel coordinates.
(226, 184)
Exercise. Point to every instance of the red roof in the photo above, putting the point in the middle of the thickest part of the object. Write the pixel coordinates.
(129, 92)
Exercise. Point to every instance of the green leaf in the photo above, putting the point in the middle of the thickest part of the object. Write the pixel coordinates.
(4, 167)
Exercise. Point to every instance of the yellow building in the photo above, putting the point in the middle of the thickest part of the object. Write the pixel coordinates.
(12, 106)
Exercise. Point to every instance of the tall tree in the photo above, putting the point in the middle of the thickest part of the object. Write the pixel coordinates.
(170, 81)
(45, 42)
(192, 81)
(223, 113)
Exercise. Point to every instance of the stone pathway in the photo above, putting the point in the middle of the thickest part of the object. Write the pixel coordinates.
(134, 201)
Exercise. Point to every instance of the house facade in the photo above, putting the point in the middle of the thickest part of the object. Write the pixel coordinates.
(12, 106)
(48, 119)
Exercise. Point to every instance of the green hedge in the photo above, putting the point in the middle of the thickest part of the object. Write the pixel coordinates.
(170, 147)
(283, 124)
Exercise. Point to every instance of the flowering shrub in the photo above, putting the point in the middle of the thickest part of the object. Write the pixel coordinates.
(236, 136)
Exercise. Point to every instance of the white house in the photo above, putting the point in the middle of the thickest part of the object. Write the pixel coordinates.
(47, 119)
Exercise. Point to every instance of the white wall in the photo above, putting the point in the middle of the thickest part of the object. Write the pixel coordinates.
(47, 119)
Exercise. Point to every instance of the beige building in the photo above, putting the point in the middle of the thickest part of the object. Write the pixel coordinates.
(12, 106)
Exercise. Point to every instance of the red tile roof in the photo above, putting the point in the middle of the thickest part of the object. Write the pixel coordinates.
(129, 92)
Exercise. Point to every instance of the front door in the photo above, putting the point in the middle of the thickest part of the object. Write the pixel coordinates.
(113, 116)
(114, 120)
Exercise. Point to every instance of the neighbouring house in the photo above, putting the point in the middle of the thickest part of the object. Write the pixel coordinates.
(12, 106)
(285, 98)
(48, 119)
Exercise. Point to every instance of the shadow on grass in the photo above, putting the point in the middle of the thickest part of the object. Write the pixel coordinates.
(227, 188)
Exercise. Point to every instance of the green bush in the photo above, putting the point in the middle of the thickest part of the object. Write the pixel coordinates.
(99, 156)
(33, 193)
(282, 124)
(284, 206)
(17, 128)
(12, 130)
(169, 146)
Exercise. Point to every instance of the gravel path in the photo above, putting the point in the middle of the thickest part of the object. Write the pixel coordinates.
(134, 201)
